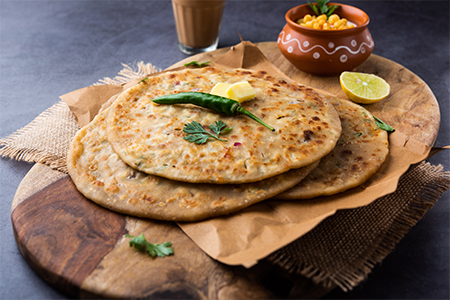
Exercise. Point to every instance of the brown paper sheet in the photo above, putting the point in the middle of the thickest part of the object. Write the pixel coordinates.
(248, 236)
(245, 237)
(85, 103)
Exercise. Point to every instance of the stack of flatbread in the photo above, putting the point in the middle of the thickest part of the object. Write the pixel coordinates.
(133, 158)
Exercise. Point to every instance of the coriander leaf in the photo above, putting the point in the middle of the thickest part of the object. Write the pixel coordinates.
(161, 250)
(193, 127)
(331, 10)
(197, 134)
(143, 80)
(197, 64)
(383, 125)
(204, 64)
(137, 242)
(323, 7)
(196, 138)
(192, 63)
(141, 244)
(219, 127)
(314, 8)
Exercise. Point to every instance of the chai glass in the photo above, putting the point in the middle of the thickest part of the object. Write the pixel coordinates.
(198, 24)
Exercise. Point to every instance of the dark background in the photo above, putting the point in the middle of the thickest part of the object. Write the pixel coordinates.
(49, 48)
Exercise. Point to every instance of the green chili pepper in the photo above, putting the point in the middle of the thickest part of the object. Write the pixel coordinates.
(217, 103)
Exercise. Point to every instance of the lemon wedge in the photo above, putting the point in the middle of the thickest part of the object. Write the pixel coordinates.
(364, 88)
(241, 91)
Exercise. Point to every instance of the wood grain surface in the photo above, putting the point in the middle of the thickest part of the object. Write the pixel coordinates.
(80, 248)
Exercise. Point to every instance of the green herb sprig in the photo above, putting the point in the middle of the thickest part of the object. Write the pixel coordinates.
(197, 134)
(323, 9)
(197, 64)
(143, 80)
(383, 125)
(140, 243)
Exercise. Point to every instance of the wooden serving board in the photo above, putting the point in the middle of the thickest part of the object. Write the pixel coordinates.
(80, 248)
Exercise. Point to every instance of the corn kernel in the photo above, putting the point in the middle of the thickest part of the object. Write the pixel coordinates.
(322, 17)
(334, 22)
(333, 18)
(338, 23)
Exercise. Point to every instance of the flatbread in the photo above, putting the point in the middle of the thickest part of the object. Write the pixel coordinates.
(149, 137)
(101, 176)
(359, 153)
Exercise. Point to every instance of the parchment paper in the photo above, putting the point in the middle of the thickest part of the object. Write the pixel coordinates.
(245, 237)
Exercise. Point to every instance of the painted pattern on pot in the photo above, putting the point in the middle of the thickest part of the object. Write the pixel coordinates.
(331, 49)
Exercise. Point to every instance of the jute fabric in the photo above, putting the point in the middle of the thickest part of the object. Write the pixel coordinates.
(340, 251)
(343, 249)
(45, 140)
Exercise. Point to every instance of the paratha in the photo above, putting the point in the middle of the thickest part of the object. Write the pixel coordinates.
(149, 137)
(360, 151)
(101, 176)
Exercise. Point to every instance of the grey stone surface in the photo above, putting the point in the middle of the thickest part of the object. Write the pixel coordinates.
(49, 48)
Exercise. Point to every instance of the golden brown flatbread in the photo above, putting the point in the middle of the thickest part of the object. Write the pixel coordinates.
(149, 137)
(359, 153)
(100, 175)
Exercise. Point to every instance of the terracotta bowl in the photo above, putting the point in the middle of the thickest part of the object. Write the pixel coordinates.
(326, 52)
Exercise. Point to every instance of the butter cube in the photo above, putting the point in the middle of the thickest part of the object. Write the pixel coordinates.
(241, 91)
(220, 89)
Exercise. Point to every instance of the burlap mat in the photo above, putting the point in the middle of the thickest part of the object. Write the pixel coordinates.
(340, 251)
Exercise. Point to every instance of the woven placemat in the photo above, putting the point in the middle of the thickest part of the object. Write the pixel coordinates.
(342, 250)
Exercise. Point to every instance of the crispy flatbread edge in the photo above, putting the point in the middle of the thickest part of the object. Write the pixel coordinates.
(325, 97)
(292, 194)
(132, 211)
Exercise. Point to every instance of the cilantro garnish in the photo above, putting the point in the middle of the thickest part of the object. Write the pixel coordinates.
(143, 80)
(140, 243)
(383, 125)
(197, 64)
(197, 134)
(323, 8)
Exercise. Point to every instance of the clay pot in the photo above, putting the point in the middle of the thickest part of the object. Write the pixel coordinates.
(326, 52)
